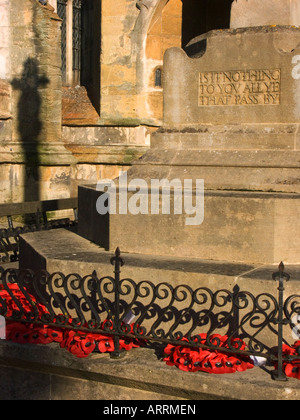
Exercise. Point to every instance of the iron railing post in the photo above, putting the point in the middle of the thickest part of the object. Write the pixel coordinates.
(278, 374)
(118, 262)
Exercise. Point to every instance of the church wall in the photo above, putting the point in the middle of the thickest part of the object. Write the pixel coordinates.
(49, 143)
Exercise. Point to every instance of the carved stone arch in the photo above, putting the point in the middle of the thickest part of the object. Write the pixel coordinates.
(145, 38)
(191, 18)
(149, 9)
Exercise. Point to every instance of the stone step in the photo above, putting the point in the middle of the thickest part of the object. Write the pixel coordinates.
(52, 373)
(62, 251)
(65, 251)
(249, 170)
(228, 137)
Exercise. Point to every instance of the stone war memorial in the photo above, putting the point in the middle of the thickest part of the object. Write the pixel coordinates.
(231, 113)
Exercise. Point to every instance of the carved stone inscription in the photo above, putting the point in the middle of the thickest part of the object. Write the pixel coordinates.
(239, 87)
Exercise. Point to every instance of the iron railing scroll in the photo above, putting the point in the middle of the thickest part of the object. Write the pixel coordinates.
(157, 312)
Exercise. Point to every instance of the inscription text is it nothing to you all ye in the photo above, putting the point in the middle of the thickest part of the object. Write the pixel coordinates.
(239, 87)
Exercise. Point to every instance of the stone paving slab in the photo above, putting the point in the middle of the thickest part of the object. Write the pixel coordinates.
(48, 372)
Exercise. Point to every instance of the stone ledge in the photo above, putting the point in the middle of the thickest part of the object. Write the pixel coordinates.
(48, 372)
(118, 154)
(66, 251)
(228, 137)
(42, 153)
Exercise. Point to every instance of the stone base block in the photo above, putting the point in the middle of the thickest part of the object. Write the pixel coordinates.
(240, 226)
(67, 252)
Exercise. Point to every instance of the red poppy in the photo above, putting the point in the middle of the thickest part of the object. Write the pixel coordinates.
(23, 301)
(79, 343)
(126, 344)
(67, 338)
(106, 344)
(56, 334)
(292, 367)
(40, 335)
(17, 332)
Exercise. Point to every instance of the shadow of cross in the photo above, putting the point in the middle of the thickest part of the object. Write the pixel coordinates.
(30, 124)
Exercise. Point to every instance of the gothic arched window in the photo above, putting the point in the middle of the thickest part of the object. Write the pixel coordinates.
(81, 45)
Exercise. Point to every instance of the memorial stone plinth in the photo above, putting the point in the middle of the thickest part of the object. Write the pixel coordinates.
(231, 118)
(237, 108)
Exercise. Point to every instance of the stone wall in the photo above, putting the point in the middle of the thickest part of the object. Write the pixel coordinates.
(32, 154)
(39, 158)
(5, 87)
(101, 152)
(133, 45)
(164, 32)
(35, 76)
(68, 134)
(118, 71)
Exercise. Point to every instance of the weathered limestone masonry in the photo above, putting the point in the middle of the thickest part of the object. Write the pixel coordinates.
(134, 37)
(32, 153)
(54, 137)
(231, 118)
(5, 90)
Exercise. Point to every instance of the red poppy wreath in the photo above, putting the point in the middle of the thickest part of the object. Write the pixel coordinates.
(207, 360)
(81, 344)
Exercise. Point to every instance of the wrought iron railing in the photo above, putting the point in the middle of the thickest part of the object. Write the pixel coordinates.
(161, 312)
